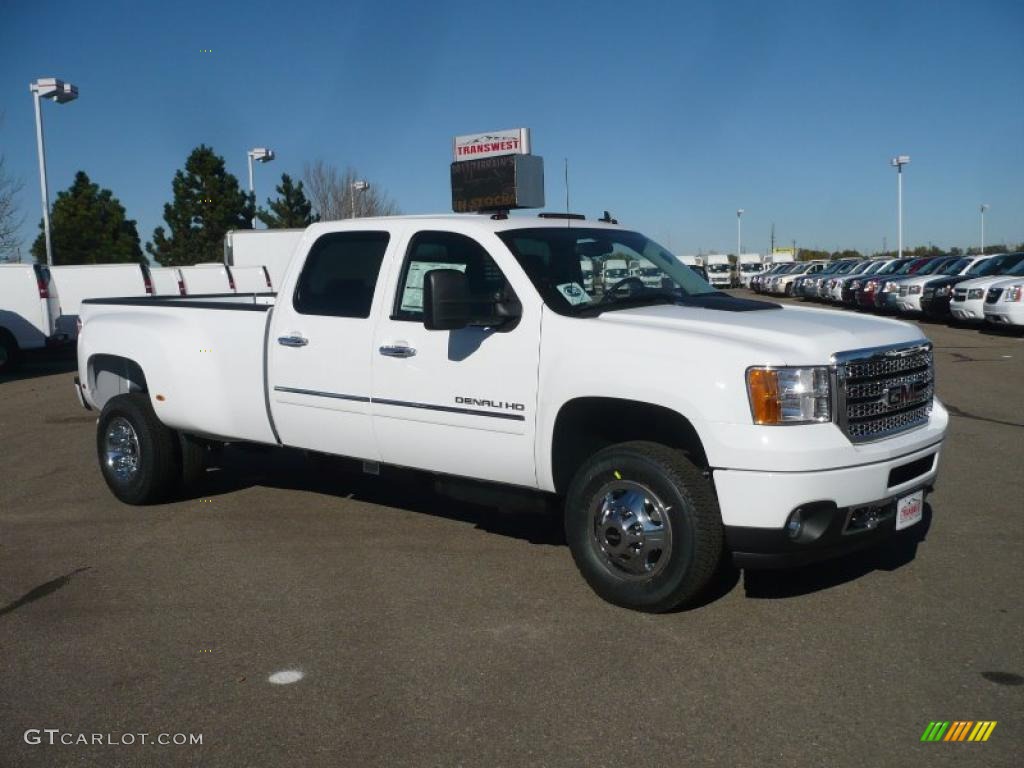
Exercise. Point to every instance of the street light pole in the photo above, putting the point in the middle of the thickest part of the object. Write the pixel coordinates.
(60, 92)
(984, 207)
(739, 233)
(898, 162)
(260, 155)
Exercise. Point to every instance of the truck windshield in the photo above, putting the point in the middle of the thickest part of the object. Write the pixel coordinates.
(550, 256)
(718, 267)
(750, 267)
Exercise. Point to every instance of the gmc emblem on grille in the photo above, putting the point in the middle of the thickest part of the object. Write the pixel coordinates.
(896, 396)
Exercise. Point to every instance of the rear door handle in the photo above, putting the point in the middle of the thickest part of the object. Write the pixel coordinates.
(397, 350)
(292, 341)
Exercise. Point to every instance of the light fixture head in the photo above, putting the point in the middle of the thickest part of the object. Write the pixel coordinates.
(899, 160)
(261, 154)
(54, 89)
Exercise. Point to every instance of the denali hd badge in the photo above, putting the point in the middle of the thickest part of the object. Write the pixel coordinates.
(501, 404)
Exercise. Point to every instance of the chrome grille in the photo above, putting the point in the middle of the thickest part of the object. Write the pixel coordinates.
(960, 294)
(993, 295)
(928, 292)
(880, 392)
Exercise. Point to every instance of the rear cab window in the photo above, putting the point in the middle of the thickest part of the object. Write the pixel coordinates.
(340, 275)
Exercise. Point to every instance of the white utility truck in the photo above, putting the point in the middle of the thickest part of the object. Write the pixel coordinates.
(28, 312)
(587, 270)
(749, 264)
(779, 435)
(720, 271)
(270, 248)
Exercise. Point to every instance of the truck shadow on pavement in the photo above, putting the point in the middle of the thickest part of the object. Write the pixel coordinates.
(504, 512)
(38, 363)
(888, 556)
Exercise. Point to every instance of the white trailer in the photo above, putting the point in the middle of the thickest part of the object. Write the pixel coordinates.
(270, 248)
(28, 311)
(75, 283)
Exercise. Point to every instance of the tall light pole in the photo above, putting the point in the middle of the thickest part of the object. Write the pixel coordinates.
(60, 92)
(898, 162)
(260, 155)
(984, 207)
(739, 233)
(357, 186)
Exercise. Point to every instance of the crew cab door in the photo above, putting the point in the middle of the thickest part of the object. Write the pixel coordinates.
(319, 346)
(460, 402)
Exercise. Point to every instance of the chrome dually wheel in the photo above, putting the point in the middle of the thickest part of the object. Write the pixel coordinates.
(631, 530)
(122, 449)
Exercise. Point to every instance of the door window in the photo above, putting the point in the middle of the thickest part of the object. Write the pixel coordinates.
(340, 274)
(446, 250)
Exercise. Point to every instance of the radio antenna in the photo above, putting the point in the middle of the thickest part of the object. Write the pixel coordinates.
(567, 208)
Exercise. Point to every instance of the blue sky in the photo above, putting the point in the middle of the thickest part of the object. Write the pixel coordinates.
(672, 114)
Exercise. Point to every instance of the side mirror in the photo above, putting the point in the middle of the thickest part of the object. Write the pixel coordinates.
(446, 305)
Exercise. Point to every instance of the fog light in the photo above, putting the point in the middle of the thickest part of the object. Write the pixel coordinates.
(795, 524)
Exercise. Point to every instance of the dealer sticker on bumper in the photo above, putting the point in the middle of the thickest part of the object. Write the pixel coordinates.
(909, 510)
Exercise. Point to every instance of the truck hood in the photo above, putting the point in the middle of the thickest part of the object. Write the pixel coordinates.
(785, 336)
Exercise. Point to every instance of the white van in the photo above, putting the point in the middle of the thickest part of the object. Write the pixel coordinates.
(166, 281)
(28, 311)
(207, 278)
(74, 283)
(251, 279)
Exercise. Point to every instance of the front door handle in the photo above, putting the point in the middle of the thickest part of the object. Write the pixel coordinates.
(295, 340)
(397, 350)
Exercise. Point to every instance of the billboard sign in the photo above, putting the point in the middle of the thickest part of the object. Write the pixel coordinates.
(513, 141)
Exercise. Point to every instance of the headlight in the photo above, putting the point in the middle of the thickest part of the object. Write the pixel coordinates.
(942, 290)
(789, 395)
(889, 287)
(975, 293)
(914, 290)
(1014, 293)
(854, 285)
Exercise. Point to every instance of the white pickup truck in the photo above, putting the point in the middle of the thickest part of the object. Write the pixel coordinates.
(678, 425)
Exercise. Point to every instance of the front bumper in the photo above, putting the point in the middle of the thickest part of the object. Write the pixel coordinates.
(839, 531)
(1005, 313)
(909, 303)
(971, 311)
(935, 306)
(755, 506)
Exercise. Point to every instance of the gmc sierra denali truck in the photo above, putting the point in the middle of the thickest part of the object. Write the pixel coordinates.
(677, 425)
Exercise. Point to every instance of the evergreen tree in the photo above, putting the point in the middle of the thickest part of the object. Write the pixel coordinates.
(291, 209)
(207, 203)
(88, 226)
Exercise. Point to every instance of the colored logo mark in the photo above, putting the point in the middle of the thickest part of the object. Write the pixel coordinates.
(959, 730)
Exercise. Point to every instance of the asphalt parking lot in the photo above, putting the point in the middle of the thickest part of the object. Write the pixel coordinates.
(433, 631)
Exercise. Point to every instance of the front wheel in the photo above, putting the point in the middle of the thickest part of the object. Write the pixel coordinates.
(139, 457)
(644, 527)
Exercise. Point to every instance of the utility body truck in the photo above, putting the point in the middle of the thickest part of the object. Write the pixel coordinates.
(28, 312)
(720, 270)
(749, 265)
(468, 345)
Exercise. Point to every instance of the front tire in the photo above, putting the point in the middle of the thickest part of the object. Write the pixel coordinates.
(644, 527)
(139, 457)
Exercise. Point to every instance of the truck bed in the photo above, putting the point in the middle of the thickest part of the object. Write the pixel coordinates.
(211, 344)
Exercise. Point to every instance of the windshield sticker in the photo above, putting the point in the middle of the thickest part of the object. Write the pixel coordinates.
(573, 293)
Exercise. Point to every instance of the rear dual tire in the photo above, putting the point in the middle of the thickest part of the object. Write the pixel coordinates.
(142, 460)
(644, 527)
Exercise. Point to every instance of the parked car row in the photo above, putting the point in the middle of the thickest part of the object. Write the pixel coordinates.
(971, 289)
(40, 305)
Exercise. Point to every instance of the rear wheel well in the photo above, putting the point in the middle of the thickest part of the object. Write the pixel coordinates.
(587, 425)
(110, 375)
